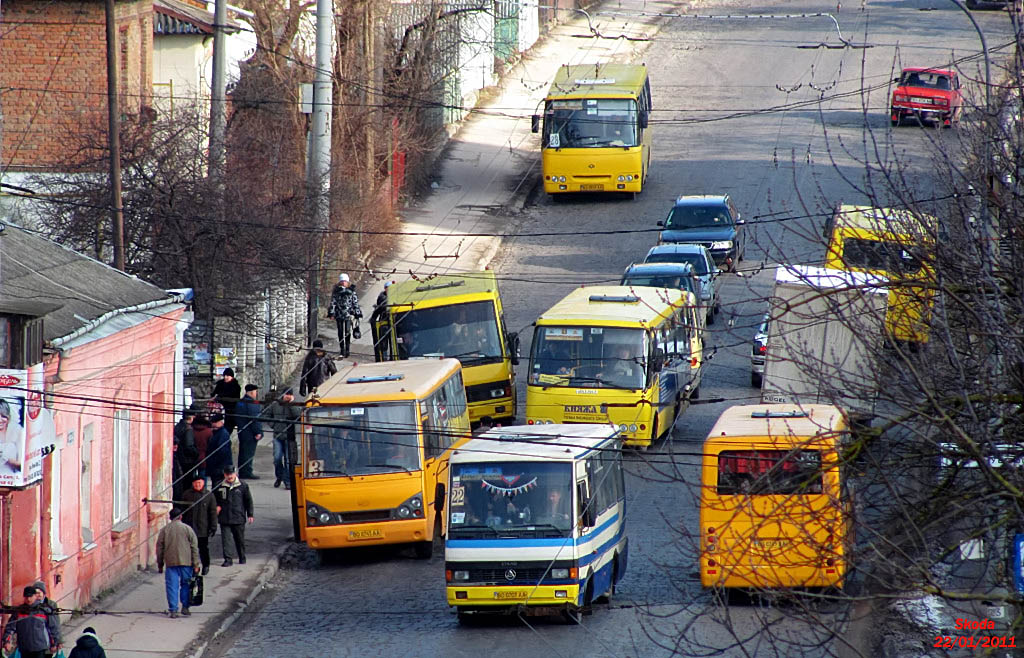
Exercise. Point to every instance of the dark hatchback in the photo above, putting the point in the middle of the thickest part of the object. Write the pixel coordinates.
(712, 221)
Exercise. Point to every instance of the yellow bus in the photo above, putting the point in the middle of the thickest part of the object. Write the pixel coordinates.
(373, 457)
(895, 244)
(615, 354)
(458, 316)
(774, 511)
(596, 135)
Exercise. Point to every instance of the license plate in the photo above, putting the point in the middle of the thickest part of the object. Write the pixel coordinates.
(509, 595)
(356, 535)
(592, 187)
(919, 99)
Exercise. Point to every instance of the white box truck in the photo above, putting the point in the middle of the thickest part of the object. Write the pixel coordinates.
(825, 339)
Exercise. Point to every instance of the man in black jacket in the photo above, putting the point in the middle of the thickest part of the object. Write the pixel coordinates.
(234, 510)
(316, 368)
(228, 391)
(200, 514)
(186, 455)
(250, 431)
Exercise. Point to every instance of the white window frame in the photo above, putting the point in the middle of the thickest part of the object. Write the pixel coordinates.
(56, 474)
(121, 466)
(85, 486)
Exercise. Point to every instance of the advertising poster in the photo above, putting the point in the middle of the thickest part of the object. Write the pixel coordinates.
(15, 460)
(225, 358)
(42, 432)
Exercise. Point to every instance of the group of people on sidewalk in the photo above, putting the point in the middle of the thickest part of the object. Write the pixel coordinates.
(33, 630)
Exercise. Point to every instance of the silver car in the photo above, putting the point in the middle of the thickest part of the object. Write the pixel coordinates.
(703, 267)
(758, 348)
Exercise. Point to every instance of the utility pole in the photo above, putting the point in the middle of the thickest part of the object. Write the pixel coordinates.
(114, 139)
(218, 90)
(317, 172)
(371, 115)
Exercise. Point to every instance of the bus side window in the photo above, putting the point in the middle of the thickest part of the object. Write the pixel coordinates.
(584, 509)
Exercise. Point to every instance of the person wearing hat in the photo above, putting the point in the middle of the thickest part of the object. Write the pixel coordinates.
(52, 618)
(88, 645)
(227, 392)
(346, 312)
(234, 509)
(200, 514)
(250, 430)
(177, 547)
(317, 367)
(380, 311)
(185, 456)
(284, 414)
(218, 450)
(33, 626)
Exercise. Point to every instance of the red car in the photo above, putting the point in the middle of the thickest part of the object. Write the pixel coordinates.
(927, 94)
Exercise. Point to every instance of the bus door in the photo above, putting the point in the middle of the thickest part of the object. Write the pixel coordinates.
(443, 421)
(383, 348)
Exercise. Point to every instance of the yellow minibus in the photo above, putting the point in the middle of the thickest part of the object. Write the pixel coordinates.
(774, 511)
(373, 454)
(458, 316)
(616, 354)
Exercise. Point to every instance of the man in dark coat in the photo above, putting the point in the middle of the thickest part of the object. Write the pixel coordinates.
(345, 311)
(284, 414)
(317, 367)
(381, 341)
(200, 514)
(228, 391)
(202, 430)
(250, 431)
(88, 645)
(218, 450)
(186, 455)
(234, 510)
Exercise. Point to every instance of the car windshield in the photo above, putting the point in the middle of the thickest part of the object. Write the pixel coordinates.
(594, 357)
(700, 265)
(673, 281)
(361, 440)
(510, 499)
(698, 217)
(925, 79)
(590, 123)
(468, 332)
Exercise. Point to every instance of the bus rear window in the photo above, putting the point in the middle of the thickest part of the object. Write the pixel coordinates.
(769, 472)
(878, 255)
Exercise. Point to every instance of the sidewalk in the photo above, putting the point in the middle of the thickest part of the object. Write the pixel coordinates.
(489, 168)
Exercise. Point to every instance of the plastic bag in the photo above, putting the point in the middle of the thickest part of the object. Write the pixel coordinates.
(195, 588)
(356, 333)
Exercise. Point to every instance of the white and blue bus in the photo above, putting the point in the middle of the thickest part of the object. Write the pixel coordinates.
(536, 520)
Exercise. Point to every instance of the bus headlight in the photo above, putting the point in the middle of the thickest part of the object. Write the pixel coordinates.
(721, 244)
(416, 503)
(629, 178)
(460, 575)
(623, 428)
(413, 507)
(621, 178)
(559, 574)
(325, 518)
(404, 512)
(632, 428)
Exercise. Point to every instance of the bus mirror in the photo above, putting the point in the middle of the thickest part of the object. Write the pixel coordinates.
(535, 123)
(643, 119)
(513, 347)
(659, 359)
(662, 224)
(439, 498)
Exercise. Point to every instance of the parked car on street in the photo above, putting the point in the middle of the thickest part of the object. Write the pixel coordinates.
(758, 348)
(927, 95)
(708, 220)
(704, 269)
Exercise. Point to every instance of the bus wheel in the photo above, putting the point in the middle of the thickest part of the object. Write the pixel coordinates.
(424, 549)
(607, 596)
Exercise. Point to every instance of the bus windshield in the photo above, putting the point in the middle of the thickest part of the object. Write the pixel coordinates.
(361, 440)
(590, 123)
(594, 357)
(468, 332)
(769, 472)
(510, 499)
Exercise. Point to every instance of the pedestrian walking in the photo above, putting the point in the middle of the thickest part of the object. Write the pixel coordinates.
(346, 312)
(177, 547)
(186, 456)
(32, 627)
(88, 645)
(202, 430)
(381, 341)
(227, 391)
(200, 514)
(250, 431)
(234, 510)
(218, 450)
(52, 616)
(284, 414)
(317, 367)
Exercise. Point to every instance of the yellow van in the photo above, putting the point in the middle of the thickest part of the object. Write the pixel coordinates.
(898, 245)
(774, 511)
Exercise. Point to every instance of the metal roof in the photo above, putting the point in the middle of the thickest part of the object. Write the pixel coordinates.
(609, 80)
(578, 307)
(440, 289)
(885, 220)
(173, 17)
(738, 424)
(390, 380)
(536, 443)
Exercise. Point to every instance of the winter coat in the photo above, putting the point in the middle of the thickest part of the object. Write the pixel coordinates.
(380, 307)
(218, 452)
(247, 415)
(202, 436)
(177, 546)
(185, 453)
(227, 393)
(87, 646)
(235, 502)
(33, 626)
(344, 302)
(283, 418)
(316, 369)
(201, 511)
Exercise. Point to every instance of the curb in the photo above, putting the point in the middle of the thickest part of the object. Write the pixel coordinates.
(268, 571)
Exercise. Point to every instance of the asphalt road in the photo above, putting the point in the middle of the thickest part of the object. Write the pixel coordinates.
(743, 107)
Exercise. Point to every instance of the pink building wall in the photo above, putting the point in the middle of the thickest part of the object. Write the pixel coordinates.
(134, 370)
